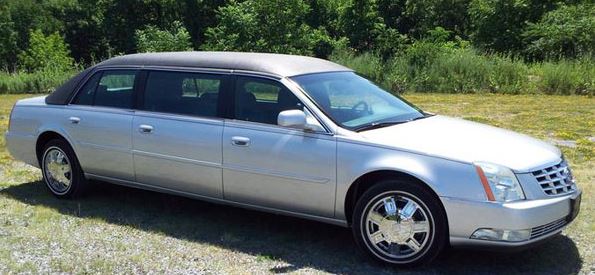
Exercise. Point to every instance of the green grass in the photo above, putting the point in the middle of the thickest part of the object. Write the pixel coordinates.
(121, 230)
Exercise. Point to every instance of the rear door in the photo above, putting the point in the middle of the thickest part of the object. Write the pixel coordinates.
(99, 122)
(177, 132)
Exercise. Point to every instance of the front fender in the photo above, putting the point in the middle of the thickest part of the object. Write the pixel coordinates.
(447, 178)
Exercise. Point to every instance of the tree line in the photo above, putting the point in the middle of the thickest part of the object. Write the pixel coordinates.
(59, 34)
(94, 30)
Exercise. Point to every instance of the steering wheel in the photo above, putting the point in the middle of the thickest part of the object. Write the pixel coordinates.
(361, 106)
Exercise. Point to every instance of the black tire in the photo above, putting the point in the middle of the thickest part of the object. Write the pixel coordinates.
(436, 233)
(78, 183)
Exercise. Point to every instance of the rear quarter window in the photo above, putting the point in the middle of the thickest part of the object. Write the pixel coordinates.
(108, 89)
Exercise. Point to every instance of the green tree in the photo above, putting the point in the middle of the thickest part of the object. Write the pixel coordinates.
(421, 16)
(153, 39)
(8, 40)
(31, 14)
(568, 31)
(45, 52)
(362, 24)
(499, 24)
(266, 26)
(83, 28)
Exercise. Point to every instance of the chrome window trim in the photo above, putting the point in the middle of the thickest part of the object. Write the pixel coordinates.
(103, 109)
(257, 126)
(180, 117)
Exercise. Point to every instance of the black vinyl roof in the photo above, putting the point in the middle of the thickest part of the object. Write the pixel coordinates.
(277, 64)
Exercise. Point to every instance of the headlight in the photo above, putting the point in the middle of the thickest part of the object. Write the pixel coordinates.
(499, 182)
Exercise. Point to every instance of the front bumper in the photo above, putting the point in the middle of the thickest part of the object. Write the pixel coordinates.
(544, 217)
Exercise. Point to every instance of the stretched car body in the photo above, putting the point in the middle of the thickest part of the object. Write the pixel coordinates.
(241, 146)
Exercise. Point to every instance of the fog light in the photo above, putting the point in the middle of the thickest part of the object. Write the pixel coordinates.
(491, 234)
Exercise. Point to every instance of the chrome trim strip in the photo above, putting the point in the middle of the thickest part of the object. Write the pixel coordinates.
(277, 174)
(234, 167)
(177, 159)
(538, 231)
(110, 148)
(334, 221)
(468, 242)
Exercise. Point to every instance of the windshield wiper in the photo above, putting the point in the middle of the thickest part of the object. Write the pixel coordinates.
(376, 125)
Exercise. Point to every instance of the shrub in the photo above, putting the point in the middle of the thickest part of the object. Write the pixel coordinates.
(566, 77)
(398, 78)
(41, 81)
(507, 75)
(367, 64)
(461, 71)
(153, 39)
(452, 68)
(46, 52)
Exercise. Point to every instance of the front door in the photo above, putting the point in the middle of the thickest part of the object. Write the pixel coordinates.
(272, 166)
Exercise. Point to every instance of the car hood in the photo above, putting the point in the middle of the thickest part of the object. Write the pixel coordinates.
(467, 141)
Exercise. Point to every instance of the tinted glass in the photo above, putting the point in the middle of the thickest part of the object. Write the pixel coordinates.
(353, 101)
(115, 89)
(86, 93)
(261, 100)
(182, 93)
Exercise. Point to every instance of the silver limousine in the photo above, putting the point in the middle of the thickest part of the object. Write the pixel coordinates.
(297, 136)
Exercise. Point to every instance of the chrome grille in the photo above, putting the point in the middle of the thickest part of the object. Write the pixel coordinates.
(556, 180)
(539, 231)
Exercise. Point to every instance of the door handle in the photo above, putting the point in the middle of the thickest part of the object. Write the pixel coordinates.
(74, 120)
(145, 129)
(240, 141)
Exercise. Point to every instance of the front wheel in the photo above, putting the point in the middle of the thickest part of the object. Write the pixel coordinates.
(61, 171)
(400, 223)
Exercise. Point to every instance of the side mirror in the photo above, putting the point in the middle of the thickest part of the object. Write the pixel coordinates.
(292, 119)
(299, 120)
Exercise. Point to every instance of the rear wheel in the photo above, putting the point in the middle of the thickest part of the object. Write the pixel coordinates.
(61, 171)
(400, 223)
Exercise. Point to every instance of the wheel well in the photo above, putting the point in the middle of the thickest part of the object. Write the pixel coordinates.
(43, 139)
(368, 180)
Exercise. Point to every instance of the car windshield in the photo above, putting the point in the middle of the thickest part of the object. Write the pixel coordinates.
(356, 103)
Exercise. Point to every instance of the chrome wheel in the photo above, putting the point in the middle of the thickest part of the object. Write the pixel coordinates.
(398, 225)
(57, 170)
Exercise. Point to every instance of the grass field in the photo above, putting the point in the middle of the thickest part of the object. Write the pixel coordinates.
(121, 230)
